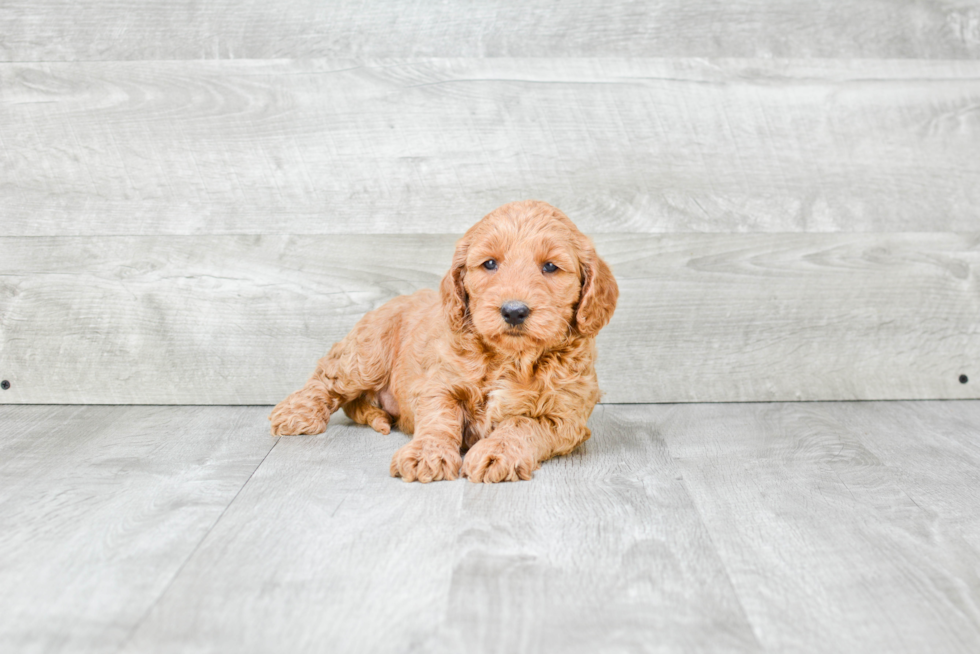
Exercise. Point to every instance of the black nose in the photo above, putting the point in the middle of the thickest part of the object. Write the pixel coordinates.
(514, 312)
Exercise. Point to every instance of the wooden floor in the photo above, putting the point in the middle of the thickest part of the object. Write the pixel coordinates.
(837, 527)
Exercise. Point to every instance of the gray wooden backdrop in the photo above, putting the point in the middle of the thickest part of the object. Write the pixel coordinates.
(197, 200)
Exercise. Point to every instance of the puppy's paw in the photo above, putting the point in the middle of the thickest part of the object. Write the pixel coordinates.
(381, 424)
(299, 414)
(425, 460)
(497, 459)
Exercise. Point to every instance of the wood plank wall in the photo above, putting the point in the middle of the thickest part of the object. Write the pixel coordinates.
(195, 201)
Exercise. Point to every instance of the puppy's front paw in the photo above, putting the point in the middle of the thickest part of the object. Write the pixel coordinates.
(300, 413)
(498, 458)
(425, 460)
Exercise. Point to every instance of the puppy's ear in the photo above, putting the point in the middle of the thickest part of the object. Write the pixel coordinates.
(454, 300)
(599, 294)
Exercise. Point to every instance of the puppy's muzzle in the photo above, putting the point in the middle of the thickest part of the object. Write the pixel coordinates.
(514, 312)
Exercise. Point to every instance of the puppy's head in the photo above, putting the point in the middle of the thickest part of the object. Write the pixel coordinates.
(526, 277)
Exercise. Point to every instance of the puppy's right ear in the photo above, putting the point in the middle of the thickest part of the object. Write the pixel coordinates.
(454, 299)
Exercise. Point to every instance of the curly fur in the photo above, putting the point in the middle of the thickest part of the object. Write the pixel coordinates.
(447, 368)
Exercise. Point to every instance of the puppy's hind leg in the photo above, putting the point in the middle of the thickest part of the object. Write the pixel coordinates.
(363, 411)
(307, 411)
(339, 378)
(360, 363)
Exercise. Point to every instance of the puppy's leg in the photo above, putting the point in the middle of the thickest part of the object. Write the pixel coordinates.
(362, 411)
(433, 453)
(307, 411)
(518, 445)
(360, 363)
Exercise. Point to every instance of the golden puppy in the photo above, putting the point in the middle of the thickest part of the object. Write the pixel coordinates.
(500, 360)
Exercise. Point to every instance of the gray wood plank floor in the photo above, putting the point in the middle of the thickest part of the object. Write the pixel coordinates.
(100, 507)
(827, 527)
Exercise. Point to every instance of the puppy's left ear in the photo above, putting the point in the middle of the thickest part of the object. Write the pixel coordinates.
(599, 294)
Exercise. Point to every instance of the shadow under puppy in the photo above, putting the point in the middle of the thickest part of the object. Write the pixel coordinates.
(500, 360)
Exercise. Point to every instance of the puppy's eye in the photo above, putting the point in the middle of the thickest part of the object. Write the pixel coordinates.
(549, 267)
(490, 264)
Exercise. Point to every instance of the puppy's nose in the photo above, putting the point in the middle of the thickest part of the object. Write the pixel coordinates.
(514, 312)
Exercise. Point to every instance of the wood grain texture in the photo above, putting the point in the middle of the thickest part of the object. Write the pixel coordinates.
(430, 146)
(607, 553)
(940, 473)
(321, 551)
(101, 506)
(47, 30)
(825, 544)
(603, 552)
(821, 527)
(702, 317)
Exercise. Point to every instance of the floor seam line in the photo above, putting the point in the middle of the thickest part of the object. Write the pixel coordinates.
(166, 589)
(714, 544)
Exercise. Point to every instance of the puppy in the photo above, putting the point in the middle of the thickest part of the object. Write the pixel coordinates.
(500, 361)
